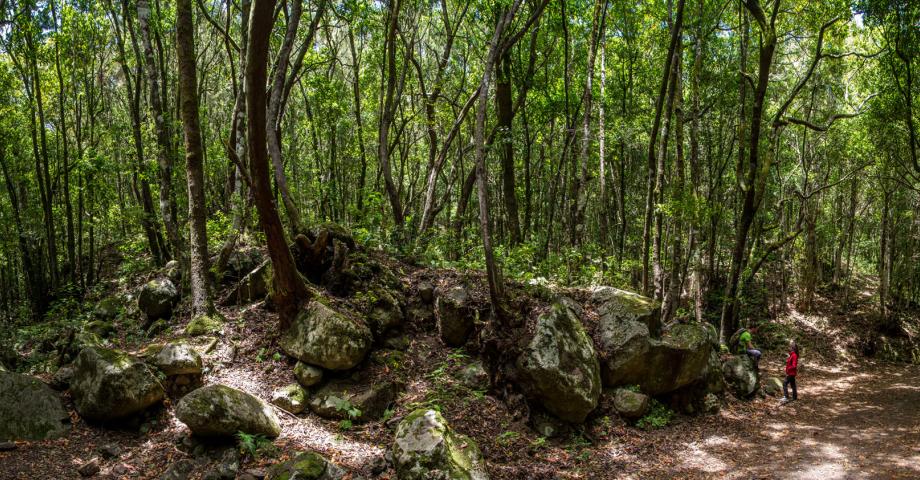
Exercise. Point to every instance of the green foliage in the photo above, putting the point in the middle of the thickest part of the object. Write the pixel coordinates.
(658, 416)
(255, 446)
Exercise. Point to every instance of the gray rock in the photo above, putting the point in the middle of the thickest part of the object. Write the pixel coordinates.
(157, 299)
(292, 398)
(455, 316)
(254, 285)
(426, 291)
(179, 470)
(619, 306)
(156, 327)
(61, 379)
(307, 375)
(741, 376)
(227, 468)
(218, 410)
(173, 271)
(205, 325)
(474, 376)
(306, 466)
(772, 386)
(109, 451)
(559, 366)
(358, 401)
(678, 359)
(8, 446)
(241, 262)
(90, 468)
(177, 358)
(110, 384)
(427, 448)
(629, 404)
(102, 328)
(711, 404)
(108, 308)
(29, 410)
(327, 338)
(385, 312)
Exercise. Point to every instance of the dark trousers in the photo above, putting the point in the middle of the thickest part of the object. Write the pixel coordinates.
(790, 380)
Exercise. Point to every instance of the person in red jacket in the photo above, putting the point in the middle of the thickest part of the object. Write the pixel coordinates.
(792, 365)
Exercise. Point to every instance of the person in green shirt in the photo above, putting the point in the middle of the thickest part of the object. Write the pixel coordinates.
(746, 345)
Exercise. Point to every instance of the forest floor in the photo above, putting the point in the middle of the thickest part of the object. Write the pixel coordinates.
(855, 418)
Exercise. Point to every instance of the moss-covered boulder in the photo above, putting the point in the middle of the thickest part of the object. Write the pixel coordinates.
(157, 299)
(426, 447)
(455, 315)
(176, 358)
(292, 398)
(741, 375)
(385, 313)
(205, 325)
(357, 401)
(307, 375)
(221, 411)
(109, 308)
(29, 410)
(253, 286)
(623, 333)
(101, 328)
(326, 338)
(559, 366)
(629, 404)
(615, 307)
(110, 384)
(678, 359)
(305, 466)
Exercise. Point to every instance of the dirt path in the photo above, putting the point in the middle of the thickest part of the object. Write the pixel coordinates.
(856, 421)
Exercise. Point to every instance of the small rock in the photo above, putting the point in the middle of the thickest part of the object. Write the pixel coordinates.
(455, 315)
(400, 342)
(426, 292)
(474, 376)
(772, 386)
(292, 398)
(61, 379)
(629, 404)
(157, 299)
(379, 465)
(121, 469)
(306, 466)
(257, 473)
(109, 451)
(179, 470)
(711, 404)
(157, 327)
(7, 446)
(227, 468)
(307, 375)
(344, 399)
(204, 325)
(89, 468)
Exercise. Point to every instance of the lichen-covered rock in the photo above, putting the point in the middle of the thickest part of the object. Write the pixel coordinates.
(205, 325)
(741, 376)
(474, 376)
(218, 410)
(307, 375)
(617, 306)
(385, 312)
(772, 386)
(455, 316)
(327, 338)
(110, 384)
(101, 328)
(173, 271)
(177, 358)
(559, 366)
(108, 308)
(306, 466)
(292, 398)
(254, 285)
(61, 378)
(678, 359)
(357, 401)
(715, 382)
(241, 262)
(29, 410)
(426, 448)
(157, 299)
(711, 404)
(629, 404)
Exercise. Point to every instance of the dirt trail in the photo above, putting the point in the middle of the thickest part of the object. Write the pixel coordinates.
(854, 421)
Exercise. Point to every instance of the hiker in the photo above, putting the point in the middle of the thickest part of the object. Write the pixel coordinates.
(792, 367)
(746, 345)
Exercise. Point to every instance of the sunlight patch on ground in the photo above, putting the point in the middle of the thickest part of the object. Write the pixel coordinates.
(696, 458)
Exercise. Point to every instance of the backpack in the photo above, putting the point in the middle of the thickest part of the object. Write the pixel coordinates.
(735, 339)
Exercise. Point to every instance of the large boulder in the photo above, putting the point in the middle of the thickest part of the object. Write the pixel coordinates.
(221, 411)
(678, 359)
(326, 338)
(29, 410)
(559, 366)
(110, 384)
(426, 447)
(157, 299)
(305, 466)
(254, 286)
(358, 401)
(741, 375)
(455, 315)
(615, 306)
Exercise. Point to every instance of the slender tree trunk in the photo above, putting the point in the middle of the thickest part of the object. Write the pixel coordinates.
(387, 111)
(194, 161)
(289, 287)
(504, 110)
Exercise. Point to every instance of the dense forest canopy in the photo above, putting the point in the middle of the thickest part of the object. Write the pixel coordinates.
(717, 155)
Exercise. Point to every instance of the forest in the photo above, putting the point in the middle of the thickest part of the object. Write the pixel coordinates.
(279, 239)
